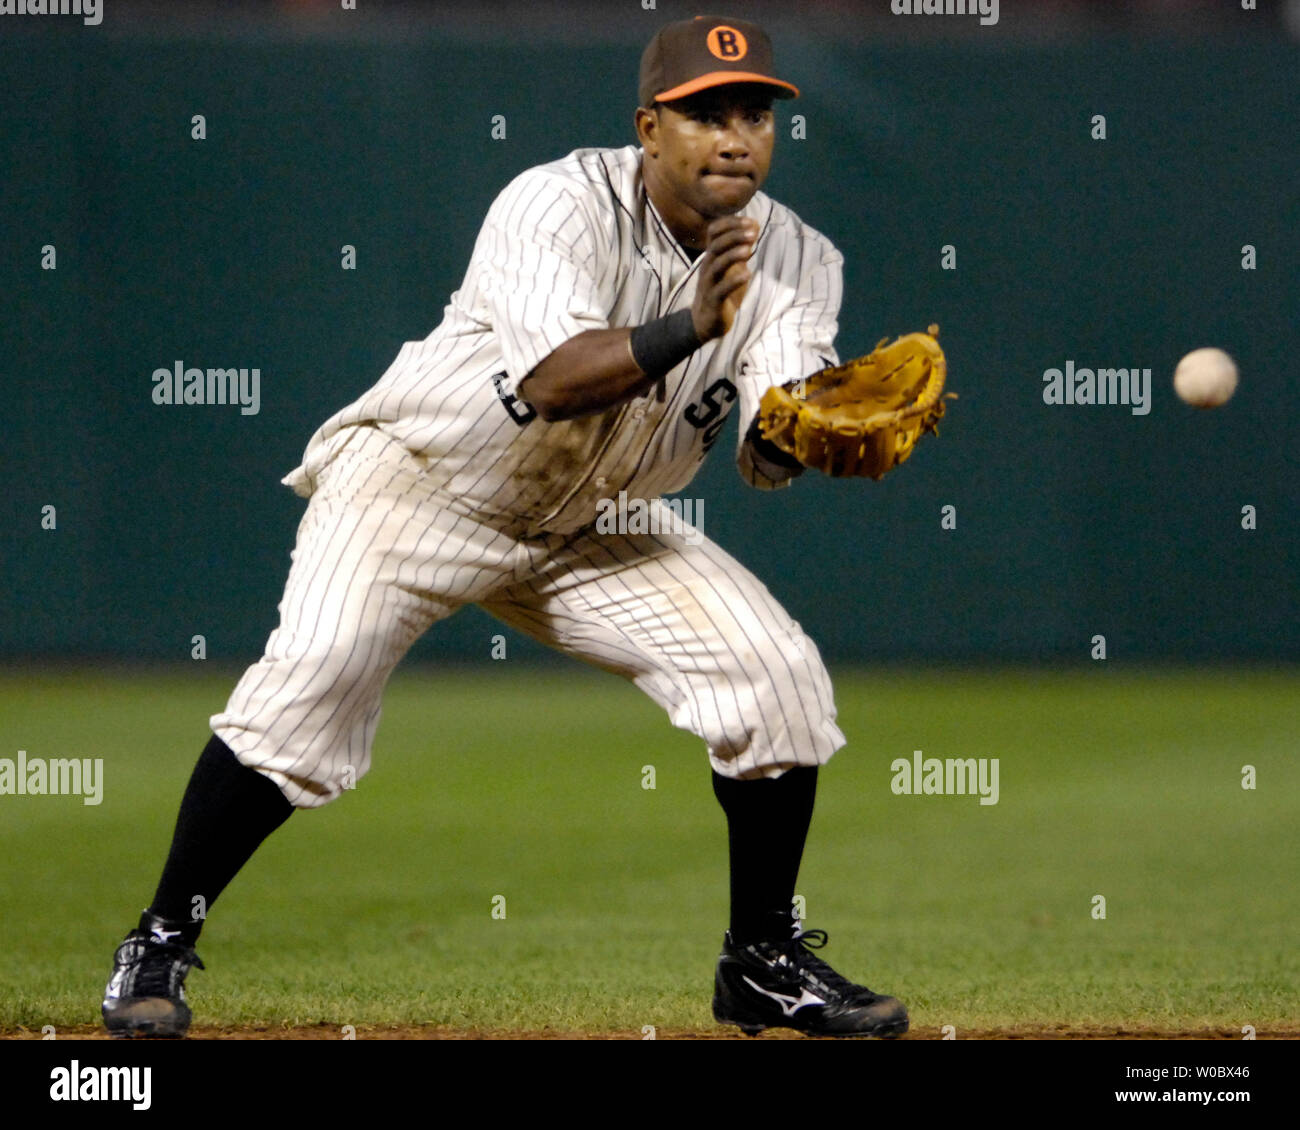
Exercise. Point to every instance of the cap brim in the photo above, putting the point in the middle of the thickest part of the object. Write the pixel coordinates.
(724, 78)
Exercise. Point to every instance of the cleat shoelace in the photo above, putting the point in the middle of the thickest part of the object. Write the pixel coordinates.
(155, 965)
(797, 951)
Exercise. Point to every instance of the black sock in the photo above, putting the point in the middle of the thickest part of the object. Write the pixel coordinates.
(227, 810)
(767, 823)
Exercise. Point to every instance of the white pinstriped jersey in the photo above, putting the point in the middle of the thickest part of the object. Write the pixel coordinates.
(571, 246)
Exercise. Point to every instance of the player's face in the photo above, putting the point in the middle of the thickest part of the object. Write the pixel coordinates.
(712, 151)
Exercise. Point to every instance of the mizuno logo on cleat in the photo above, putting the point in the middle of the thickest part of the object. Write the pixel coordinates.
(162, 935)
(789, 1005)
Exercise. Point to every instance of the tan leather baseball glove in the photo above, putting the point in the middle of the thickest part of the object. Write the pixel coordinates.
(862, 417)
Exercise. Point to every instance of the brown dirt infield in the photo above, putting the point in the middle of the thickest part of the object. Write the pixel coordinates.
(420, 1032)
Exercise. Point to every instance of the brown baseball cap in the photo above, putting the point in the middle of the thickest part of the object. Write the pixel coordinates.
(693, 55)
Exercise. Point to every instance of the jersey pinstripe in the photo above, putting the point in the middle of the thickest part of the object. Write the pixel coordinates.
(571, 246)
(380, 559)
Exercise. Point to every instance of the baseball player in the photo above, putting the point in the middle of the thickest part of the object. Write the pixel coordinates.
(619, 305)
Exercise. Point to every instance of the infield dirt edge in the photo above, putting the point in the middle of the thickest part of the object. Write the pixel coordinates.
(433, 1032)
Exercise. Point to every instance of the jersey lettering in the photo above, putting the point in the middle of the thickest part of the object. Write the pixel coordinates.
(711, 414)
(703, 414)
(520, 412)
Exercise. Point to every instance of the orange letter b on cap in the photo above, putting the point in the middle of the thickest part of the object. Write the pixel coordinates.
(727, 44)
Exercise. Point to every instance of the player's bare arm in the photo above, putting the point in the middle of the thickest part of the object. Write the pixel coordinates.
(587, 374)
(597, 369)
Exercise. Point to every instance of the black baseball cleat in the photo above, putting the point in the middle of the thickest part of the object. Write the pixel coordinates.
(146, 993)
(783, 985)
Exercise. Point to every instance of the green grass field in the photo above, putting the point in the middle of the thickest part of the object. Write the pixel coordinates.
(527, 783)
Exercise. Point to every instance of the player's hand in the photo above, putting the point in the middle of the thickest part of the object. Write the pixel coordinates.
(724, 275)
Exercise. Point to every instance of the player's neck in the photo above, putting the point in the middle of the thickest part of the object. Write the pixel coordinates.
(687, 227)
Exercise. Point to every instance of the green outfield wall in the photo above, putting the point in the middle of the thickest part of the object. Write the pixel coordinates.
(1171, 533)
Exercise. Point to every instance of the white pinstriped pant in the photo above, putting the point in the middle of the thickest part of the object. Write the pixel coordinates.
(379, 558)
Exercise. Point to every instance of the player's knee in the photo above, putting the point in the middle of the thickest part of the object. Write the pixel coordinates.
(319, 785)
(773, 771)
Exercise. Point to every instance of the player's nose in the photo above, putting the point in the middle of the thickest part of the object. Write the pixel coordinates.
(732, 144)
(732, 149)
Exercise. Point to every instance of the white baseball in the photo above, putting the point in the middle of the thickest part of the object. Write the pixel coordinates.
(1205, 378)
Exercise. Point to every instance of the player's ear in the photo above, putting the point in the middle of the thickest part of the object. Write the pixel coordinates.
(647, 129)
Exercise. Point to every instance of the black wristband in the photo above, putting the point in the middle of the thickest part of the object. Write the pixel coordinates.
(659, 345)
